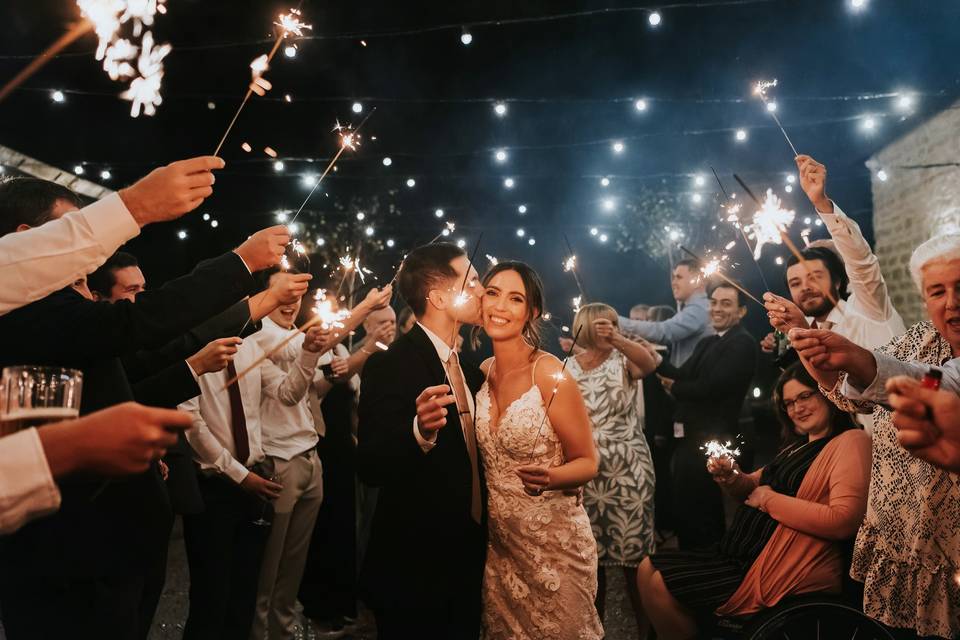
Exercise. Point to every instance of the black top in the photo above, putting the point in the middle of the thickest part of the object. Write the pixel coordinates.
(710, 386)
(116, 527)
(751, 528)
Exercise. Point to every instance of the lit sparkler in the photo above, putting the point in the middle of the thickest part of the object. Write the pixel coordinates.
(493, 260)
(144, 91)
(576, 303)
(710, 268)
(769, 223)
(290, 23)
(719, 273)
(570, 264)
(760, 90)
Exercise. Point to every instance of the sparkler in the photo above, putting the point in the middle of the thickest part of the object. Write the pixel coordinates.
(349, 139)
(570, 266)
(64, 41)
(722, 276)
(769, 223)
(716, 449)
(559, 377)
(288, 23)
(760, 90)
(786, 240)
(733, 216)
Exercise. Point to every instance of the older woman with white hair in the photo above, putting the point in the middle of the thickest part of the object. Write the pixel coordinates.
(908, 549)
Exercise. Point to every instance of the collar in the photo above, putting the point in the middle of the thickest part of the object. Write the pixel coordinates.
(270, 324)
(443, 350)
(720, 334)
(834, 317)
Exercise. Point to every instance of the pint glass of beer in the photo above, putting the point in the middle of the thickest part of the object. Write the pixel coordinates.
(31, 396)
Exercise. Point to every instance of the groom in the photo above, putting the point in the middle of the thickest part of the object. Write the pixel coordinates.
(424, 563)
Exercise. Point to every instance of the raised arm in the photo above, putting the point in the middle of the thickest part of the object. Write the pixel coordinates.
(291, 387)
(641, 360)
(570, 421)
(840, 518)
(689, 321)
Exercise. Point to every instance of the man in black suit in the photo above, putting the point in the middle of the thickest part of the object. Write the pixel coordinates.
(709, 389)
(424, 563)
(82, 571)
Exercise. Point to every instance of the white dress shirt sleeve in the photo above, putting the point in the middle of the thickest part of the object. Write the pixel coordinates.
(866, 281)
(207, 446)
(425, 445)
(889, 367)
(289, 388)
(27, 489)
(39, 261)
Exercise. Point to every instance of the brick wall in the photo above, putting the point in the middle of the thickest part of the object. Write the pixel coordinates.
(913, 205)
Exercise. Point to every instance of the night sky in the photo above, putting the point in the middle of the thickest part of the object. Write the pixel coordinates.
(569, 84)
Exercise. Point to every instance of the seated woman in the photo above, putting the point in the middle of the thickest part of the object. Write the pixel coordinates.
(783, 539)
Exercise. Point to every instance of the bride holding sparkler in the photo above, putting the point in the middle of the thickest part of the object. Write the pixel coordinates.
(540, 578)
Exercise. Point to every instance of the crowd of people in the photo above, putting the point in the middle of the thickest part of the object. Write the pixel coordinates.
(457, 498)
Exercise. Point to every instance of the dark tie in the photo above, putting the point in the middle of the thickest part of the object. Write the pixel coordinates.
(455, 374)
(238, 421)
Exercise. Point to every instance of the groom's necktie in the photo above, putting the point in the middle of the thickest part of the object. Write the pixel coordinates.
(455, 374)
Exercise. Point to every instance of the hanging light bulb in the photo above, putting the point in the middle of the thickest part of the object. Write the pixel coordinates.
(465, 36)
(654, 18)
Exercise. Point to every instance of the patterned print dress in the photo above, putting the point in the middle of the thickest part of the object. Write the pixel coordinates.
(540, 579)
(907, 552)
(619, 500)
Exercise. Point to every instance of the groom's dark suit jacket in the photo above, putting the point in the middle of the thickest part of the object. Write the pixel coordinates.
(425, 553)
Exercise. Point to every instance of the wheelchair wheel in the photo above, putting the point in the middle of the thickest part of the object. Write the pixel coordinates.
(816, 620)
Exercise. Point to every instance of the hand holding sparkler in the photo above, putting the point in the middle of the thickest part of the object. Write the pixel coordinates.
(432, 410)
(166, 193)
(316, 339)
(813, 181)
(265, 248)
(721, 461)
(784, 314)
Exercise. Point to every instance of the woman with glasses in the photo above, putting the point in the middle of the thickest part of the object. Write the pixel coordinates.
(785, 537)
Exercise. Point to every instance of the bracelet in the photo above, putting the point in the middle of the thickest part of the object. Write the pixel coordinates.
(369, 353)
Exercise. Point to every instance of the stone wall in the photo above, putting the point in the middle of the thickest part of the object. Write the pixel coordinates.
(915, 201)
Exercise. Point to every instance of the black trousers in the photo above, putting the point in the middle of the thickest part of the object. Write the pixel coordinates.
(698, 516)
(224, 552)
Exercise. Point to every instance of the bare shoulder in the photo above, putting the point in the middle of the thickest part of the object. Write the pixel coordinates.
(546, 368)
(485, 366)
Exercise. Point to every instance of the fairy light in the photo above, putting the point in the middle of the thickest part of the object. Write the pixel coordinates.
(522, 209)
(618, 147)
(604, 182)
(604, 237)
(740, 135)
(387, 161)
(105, 175)
(509, 183)
(521, 232)
(182, 234)
(500, 109)
(214, 224)
(532, 241)
(290, 51)
(357, 107)
(500, 156)
(278, 166)
(58, 97)
(869, 124)
(608, 204)
(640, 105)
(438, 213)
(309, 180)
(699, 180)
(78, 169)
(361, 215)
(654, 19)
(594, 231)
(466, 38)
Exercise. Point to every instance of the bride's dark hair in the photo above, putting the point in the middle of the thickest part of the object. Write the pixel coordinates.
(533, 292)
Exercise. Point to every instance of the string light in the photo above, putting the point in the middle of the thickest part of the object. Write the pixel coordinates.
(387, 161)
(58, 96)
(411, 183)
(500, 156)
(603, 237)
(594, 231)
(618, 147)
(771, 106)
(357, 107)
(869, 124)
(791, 178)
(609, 204)
(740, 135)
(214, 224)
(368, 231)
(282, 216)
(206, 217)
(509, 183)
(309, 180)
(278, 166)
(640, 105)
(858, 5)
(778, 261)
(293, 228)
(882, 175)
(699, 180)
(461, 243)
(522, 209)
(105, 175)
(290, 51)
(438, 213)
(360, 216)
(521, 232)
(604, 182)
(532, 241)
(182, 234)
(78, 169)
(697, 198)
(500, 109)
(654, 19)
(905, 103)
(466, 38)
(211, 105)
(788, 188)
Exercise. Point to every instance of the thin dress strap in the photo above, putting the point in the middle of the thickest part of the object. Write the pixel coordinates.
(533, 369)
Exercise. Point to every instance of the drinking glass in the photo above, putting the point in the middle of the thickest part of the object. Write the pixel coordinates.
(270, 473)
(31, 396)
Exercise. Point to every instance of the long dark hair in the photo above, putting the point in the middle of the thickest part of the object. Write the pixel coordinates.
(533, 289)
(840, 421)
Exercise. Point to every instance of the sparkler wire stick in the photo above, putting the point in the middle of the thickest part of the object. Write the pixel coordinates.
(344, 143)
(572, 262)
(743, 234)
(723, 277)
(760, 89)
(79, 29)
(787, 241)
(301, 329)
(553, 394)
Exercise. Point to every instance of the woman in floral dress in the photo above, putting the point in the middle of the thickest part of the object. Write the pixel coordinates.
(620, 500)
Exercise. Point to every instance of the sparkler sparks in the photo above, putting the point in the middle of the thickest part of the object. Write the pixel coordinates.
(570, 264)
(290, 23)
(118, 53)
(769, 223)
(717, 449)
(711, 268)
(576, 303)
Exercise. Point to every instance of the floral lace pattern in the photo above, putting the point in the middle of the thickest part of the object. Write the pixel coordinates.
(619, 500)
(540, 579)
(908, 549)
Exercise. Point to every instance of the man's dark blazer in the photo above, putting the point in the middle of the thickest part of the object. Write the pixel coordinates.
(710, 386)
(425, 555)
(116, 527)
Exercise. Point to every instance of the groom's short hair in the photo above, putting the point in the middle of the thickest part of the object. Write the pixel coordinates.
(423, 269)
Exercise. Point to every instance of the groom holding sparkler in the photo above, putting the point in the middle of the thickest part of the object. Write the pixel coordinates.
(424, 563)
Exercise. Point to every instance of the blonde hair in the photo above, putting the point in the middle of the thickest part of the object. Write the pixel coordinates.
(583, 322)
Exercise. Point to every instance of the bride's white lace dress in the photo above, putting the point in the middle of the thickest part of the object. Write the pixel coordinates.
(540, 580)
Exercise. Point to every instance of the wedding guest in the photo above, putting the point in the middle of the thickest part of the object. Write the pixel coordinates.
(639, 312)
(113, 541)
(33, 459)
(119, 278)
(406, 320)
(225, 543)
(683, 331)
(709, 390)
(49, 254)
(658, 408)
(619, 500)
(905, 553)
(784, 538)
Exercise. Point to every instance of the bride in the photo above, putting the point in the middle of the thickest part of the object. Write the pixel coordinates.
(540, 578)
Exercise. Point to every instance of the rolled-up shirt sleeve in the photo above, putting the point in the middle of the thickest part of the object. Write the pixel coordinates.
(36, 262)
(27, 489)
